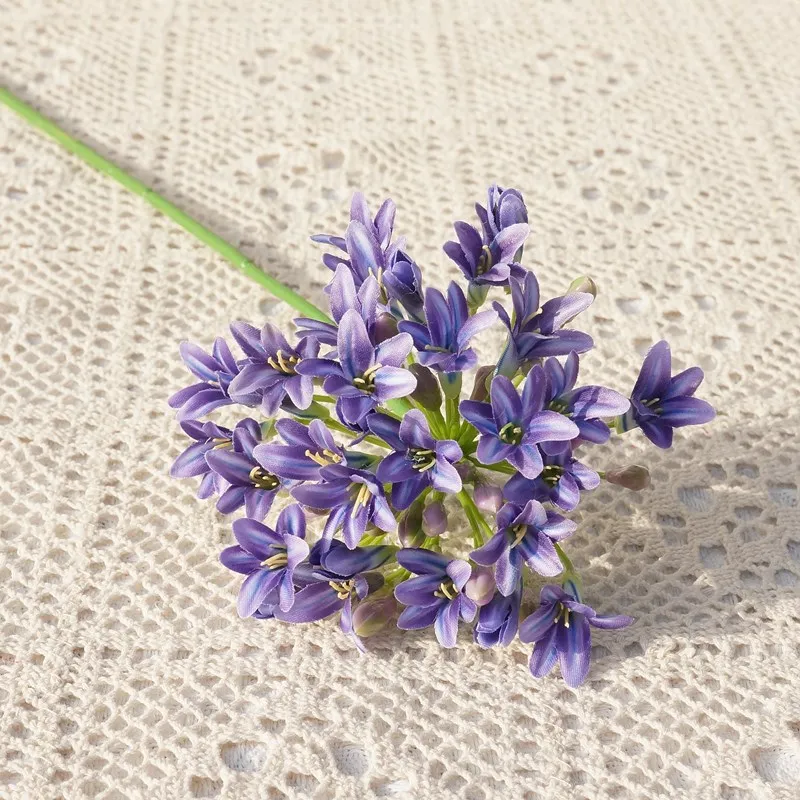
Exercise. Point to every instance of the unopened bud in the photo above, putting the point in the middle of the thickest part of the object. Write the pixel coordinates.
(427, 394)
(583, 284)
(385, 327)
(633, 477)
(373, 615)
(488, 497)
(451, 384)
(410, 528)
(480, 389)
(481, 586)
(434, 519)
(476, 296)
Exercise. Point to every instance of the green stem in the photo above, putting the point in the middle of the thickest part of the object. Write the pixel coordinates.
(199, 231)
(506, 470)
(477, 522)
(570, 573)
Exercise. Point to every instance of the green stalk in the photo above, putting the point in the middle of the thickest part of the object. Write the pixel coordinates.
(477, 522)
(199, 231)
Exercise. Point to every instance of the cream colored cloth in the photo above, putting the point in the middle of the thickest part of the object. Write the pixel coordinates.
(657, 145)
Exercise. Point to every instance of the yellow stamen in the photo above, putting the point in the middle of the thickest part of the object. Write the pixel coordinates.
(362, 498)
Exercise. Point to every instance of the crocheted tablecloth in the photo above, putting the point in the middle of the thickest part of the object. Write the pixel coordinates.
(657, 146)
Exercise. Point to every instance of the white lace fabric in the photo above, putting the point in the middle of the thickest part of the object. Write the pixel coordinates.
(656, 143)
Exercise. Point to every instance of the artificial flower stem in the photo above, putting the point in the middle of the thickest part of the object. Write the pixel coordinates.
(475, 517)
(199, 231)
(505, 469)
(570, 573)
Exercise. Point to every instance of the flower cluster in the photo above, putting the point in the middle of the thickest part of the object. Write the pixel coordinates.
(362, 421)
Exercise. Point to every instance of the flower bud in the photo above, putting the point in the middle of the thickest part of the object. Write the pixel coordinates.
(633, 477)
(434, 519)
(410, 528)
(583, 284)
(385, 327)
(373, 615)
(476, 296)
(481, 586)
(488, 497)
(427, 394)
(451, 384)
(480, 389)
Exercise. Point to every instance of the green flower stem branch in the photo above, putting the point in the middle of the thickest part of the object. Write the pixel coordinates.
(199, 231)
(188, 223)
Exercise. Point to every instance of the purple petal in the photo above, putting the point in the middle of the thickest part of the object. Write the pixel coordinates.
(610, 621)
(415, 432)
(388, 429)
(348, 562)
(538, 625)
(509, 240)
(231, 499)
(255, 538)
(653, 380)
(681, 411)
(658, 432)
(258, 502)
(407, 491)
(418, 591)
(234, 467)
(416, 617)
(506, 403)
(586, 478)
(490, 552)
(540, 554)
(437, 314)
(342, 292)
(288, 461)
(321, 495)
(422, 562)
(393, 382)
(395, 468)
(363, 249)
(312, 603)
(566, 494)
(445, 477)
(292, 521)
(558, 527)
(544, 655)
(684, 383)
(353, 344)
(459, 572)
(239, 560)
(393, 352)
(491, 450)
(293, 432)
(550, 426)
(446, 624)
(300, 389)
(384, 222)
(597, 401)
(480, 415)
(201, 403)
(527, 459)
(574, 650)
(192, 461)
(255, 588)
(508, 572)
(560, 310)
(473, 326)
(198, 361)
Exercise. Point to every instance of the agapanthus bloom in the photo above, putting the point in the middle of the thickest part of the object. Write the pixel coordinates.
(585, 406)
(270, 369)
(525, 535)
(436, 597)
(537, 333)
(308, 449)
(661, 401)
(250, 485)
(191, 463)
(339, 576)
(560, 482)
(511, 426)
(356, 499)
(269, 558)
(498, 620)
(560, 630)
(375, 434)
(419, 460)
(216, 371)
(443, 341)
(365, 374)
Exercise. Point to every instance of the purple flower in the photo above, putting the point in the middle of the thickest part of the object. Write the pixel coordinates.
(269, 558)
(307, 450)
(402, 282)
(535, 333)
(443, 342)
(338, 576)
(561, 482)
(419, 461)
(660, 402)
(436, 597)
(270, 367)
(498, 620)
(365, 375)
(583, 406)
(492, 263)
(356, 499)
(344, 296)
(216, 371)
(367, 241)
(512, 426)
(505, 207)
(251, 485)
(524, 536)
(192, 461)
(560, 630)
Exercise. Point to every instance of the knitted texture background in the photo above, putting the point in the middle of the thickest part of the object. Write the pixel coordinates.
(656, 142)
